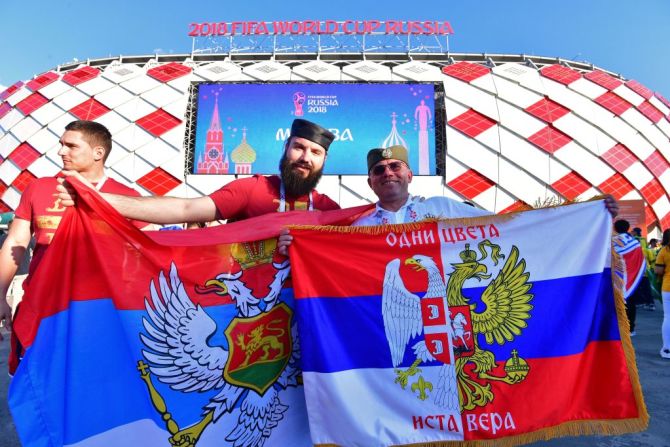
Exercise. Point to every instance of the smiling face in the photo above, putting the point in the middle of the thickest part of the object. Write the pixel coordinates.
(390, 180)
(78, 155)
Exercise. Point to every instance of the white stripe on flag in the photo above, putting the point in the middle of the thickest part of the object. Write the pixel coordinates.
(372, 410)
(565, 227)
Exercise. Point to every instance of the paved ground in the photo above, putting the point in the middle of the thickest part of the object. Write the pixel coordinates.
(654, 375)
(655, 378)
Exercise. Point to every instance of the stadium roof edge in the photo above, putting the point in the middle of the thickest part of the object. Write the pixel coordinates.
(480, 58)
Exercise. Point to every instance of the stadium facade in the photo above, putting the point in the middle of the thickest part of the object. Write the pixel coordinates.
(515, 130)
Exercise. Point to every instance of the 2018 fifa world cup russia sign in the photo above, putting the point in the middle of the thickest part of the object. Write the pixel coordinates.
(423, 27)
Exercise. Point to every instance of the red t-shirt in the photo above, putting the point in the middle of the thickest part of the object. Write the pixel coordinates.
(41, 206)
(258, 195)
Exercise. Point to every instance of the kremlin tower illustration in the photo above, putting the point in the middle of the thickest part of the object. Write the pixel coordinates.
(214, 159)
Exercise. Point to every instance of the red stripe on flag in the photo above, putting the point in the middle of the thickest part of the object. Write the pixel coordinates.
(603, 391)
(366, 254)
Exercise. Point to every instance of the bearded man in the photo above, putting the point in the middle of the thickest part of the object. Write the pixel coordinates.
(301, 167)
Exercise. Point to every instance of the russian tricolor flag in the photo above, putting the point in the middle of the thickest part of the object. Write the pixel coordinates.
(500, 330)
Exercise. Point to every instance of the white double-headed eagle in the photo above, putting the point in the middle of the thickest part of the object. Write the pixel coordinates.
(179, 354)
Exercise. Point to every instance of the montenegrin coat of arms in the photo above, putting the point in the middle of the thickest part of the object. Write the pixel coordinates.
(259, 362)
(450, 325)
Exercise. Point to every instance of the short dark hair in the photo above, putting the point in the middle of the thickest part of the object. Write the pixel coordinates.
(621, 226)
(666, 238)
(94, 133)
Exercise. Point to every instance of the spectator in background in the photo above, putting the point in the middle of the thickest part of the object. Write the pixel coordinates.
(635, 266)
(85, 145)
(663, 271)
(645, 296)
(651, 253)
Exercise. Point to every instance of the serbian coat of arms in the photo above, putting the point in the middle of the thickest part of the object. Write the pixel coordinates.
(450, 325)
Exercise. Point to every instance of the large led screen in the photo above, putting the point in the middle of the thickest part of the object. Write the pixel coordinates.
(241, 127)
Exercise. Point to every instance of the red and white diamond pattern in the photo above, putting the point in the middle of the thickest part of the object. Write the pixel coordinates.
(515, 135)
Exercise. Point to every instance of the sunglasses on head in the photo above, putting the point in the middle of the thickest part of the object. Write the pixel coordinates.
(394, 166)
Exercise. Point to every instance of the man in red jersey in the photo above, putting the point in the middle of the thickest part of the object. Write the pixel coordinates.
(301, 167)
(85, 146)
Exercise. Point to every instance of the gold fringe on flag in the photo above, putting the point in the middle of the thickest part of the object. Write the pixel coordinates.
(412, 226)
(458, 221)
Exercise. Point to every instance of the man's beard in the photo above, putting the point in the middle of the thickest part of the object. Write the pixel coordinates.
(295, 185)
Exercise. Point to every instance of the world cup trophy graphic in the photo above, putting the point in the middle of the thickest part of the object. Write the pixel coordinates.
(298, 101)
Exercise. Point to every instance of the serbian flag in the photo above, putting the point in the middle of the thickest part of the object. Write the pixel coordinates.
(633, 263)
(183, 338)
(499, 330)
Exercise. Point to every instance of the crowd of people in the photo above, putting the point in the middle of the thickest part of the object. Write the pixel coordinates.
(649, 277)
(85, 145)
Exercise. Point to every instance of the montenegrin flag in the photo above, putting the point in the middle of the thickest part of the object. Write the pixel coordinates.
(183, 338)
(496, 330)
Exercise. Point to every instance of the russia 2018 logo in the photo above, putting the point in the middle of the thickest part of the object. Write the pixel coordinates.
(298, 101)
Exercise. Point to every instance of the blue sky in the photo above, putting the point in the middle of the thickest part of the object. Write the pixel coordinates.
(619, 35)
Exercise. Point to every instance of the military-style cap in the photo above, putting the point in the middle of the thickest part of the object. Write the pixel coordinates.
(387, 153)
(313, 132)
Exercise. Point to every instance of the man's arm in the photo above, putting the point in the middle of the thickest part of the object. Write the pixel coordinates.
(659, 265)
(163, 210)
(11, 256)
(156, 209)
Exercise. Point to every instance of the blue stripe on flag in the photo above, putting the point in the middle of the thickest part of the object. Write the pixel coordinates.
(93, 350)
(353, 329)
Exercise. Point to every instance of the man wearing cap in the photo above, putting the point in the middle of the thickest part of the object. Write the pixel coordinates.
(389, 176)
(301, 167)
